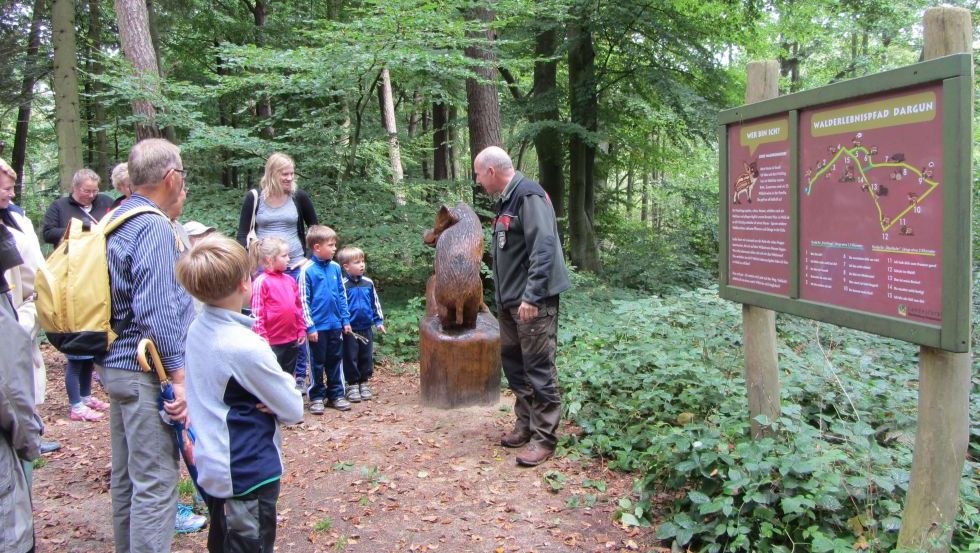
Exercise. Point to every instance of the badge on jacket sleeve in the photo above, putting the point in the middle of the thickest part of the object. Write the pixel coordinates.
(501, 239)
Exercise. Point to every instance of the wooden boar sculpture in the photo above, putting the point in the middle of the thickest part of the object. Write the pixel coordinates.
(456, 286)
(460, 339)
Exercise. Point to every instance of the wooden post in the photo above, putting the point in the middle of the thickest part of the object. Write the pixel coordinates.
(943, 429)
(758, 324)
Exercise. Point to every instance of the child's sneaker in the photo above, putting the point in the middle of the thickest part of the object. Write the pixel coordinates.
(366, 392)
(316, 407)
(353, 393)
(339, 404)
(95, 403)
(188, 521)
(83, 413)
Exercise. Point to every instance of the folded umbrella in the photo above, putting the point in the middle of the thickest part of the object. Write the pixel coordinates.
(183, 435)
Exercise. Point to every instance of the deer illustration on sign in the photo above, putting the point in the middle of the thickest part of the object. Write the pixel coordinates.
(456, 286)
(746, 181)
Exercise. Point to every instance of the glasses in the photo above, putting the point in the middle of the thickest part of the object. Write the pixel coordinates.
(183, 176)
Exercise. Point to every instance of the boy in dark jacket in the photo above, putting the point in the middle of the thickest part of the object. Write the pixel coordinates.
(365, 314)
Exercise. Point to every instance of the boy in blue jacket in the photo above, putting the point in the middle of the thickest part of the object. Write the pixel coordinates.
(365, 314)
(237, 396)
(321, 287)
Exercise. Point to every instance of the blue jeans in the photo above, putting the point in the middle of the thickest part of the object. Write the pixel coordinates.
(358, 357)
(78, 377)
(328, 353)
(303, 358)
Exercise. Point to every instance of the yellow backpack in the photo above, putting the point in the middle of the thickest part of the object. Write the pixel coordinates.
(74, 302)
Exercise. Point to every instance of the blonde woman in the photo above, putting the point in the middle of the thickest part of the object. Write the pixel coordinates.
(279, 209)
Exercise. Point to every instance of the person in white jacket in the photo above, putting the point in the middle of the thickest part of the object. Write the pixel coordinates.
(21, 278)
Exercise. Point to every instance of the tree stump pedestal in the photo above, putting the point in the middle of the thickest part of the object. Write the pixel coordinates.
(460, 368)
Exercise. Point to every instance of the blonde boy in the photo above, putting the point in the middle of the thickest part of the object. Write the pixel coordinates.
(321, 287)
(236, 396)
(365, 316)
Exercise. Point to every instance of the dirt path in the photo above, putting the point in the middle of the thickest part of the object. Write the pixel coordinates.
(387, 476)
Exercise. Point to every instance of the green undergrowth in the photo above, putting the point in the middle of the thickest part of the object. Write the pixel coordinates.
(656, 386)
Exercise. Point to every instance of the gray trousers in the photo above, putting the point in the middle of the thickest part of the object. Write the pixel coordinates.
(144, 464)
(527, 352)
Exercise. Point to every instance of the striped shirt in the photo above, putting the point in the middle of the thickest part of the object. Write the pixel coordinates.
(142, 254)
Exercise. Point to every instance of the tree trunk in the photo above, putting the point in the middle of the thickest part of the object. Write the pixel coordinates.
(64, 83)
(426, 173)
(547, 142)
(263, 110)
(229, 175)
(483, 106)
(440, 141)
(645, 198)
(583, 98)
(99, 144)
(943, 429)
(391, 128)
(169, 132)
(629, 193)
(452, 148)
(31, 69)
(134, 36)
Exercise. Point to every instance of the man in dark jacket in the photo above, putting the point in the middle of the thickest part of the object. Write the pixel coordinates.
(85, 202)
(529, 273)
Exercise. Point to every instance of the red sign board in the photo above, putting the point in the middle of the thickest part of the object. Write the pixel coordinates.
(759, 206)
(871, 204)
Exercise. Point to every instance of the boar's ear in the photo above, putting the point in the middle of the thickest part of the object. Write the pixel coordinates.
(446, 217)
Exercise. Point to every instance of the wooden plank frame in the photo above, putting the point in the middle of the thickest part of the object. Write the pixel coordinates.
(955, 74)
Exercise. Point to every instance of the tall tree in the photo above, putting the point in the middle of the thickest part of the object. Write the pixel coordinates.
(394, 154)
(440, 141)
(64, 83)
(584, 100)
(544, 101)
(19, 155)
(483, 110)
(98, 142)
(134, 36)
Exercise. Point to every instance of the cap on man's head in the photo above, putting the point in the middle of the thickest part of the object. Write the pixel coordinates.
(194, 228)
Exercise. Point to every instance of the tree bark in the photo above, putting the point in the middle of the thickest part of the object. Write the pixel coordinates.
(134, 36)
(452, 147)
(263, 109)
(943, 429)
(584, 101)
(483, 106)
(168, 131)
(391, 128)
(99, 144)
(440, 141)
(64, 83)
(758, 324)
(19, 154)
(544, 96)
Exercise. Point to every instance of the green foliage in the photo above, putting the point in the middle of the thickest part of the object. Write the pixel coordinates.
(185, 490)
(656, 386)
(554, 479)
(323, 525)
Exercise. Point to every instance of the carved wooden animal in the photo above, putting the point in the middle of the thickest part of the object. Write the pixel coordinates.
(746, 181)
(456, 285)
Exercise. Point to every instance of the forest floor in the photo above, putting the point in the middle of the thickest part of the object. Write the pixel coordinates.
(389, 475)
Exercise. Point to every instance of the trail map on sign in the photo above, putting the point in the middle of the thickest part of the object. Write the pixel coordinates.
(871, 210)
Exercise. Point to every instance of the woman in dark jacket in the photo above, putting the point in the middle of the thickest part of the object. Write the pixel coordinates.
(85, 202)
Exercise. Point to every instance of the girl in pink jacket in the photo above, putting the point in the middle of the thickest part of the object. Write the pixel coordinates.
(276, 304)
